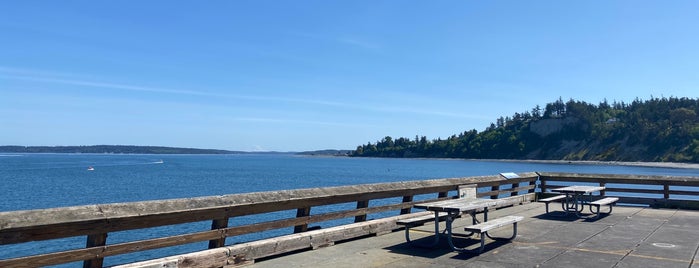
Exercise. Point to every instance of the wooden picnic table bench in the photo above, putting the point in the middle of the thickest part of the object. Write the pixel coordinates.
(611, 201)
(484, 227)
(575, 197)
(551, 199)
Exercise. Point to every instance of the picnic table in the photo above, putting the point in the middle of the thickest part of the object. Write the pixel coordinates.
(456, 207)
(576, 197)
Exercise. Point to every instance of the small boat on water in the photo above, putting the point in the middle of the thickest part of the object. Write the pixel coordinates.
(159, 162)
(90, 168)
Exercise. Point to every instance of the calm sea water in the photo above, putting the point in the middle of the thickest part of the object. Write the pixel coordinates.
(33, 181)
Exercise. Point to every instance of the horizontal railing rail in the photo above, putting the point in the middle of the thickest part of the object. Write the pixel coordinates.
(626, 188)
(96, 222)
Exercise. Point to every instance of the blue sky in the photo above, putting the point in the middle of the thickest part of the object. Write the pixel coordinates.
(308, 75)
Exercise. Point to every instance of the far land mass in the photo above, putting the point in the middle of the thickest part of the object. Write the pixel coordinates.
(134, 149)
(112, 149)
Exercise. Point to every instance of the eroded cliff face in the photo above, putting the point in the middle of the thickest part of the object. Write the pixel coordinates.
(546, 127)
(586, 148)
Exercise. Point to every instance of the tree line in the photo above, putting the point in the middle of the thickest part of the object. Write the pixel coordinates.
(657, 130)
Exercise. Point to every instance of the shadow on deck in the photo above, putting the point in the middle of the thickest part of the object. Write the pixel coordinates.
(629, 237)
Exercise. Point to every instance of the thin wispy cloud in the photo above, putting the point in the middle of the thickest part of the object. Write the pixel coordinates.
(358, 42)
(107, 85)
(429, 112)
(353, 41)
(294, 121)
(31, 72)
(50, 77)
(125, 87)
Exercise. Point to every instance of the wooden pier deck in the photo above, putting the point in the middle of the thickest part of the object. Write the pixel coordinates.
(629, 237)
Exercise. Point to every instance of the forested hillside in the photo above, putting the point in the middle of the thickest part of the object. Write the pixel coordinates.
(657, 130)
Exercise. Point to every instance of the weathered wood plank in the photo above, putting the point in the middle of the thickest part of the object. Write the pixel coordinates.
(52, 258)
(526, 188)
(283, 244)
(620, 178)
(641, 191)
(109, 250)
(629, 190)
(203, 259)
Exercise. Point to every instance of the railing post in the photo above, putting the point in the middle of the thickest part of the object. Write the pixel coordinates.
(666, 191)
(215, 225)
(302, 212)
(495, 188)
(533, 189)
(95, 240)
(515, 185)
(603, 192)
(542, 185)
(361, 204)
(406, 199)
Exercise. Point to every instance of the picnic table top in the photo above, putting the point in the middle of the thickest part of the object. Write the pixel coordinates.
(462, 205)
(579, 189)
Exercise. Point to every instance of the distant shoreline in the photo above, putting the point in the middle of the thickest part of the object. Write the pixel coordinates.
(611, 163)
(574, 162)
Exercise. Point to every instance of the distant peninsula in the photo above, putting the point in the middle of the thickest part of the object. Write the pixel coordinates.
(134, 149)
(110, 149)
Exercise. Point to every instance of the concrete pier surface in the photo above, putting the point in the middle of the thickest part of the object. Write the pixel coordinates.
(628, 237)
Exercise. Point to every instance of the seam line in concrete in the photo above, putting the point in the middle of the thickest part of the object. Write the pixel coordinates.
(630, 253)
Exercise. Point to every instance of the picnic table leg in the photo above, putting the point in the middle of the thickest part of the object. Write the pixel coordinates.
(578, 204)
(435, 240)
(474, 221)
(568, 203)
(436, 229)
(450, 234)
(573, 203)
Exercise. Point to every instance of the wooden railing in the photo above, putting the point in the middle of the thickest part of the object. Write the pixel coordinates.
(655, 191)
(96, 222)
